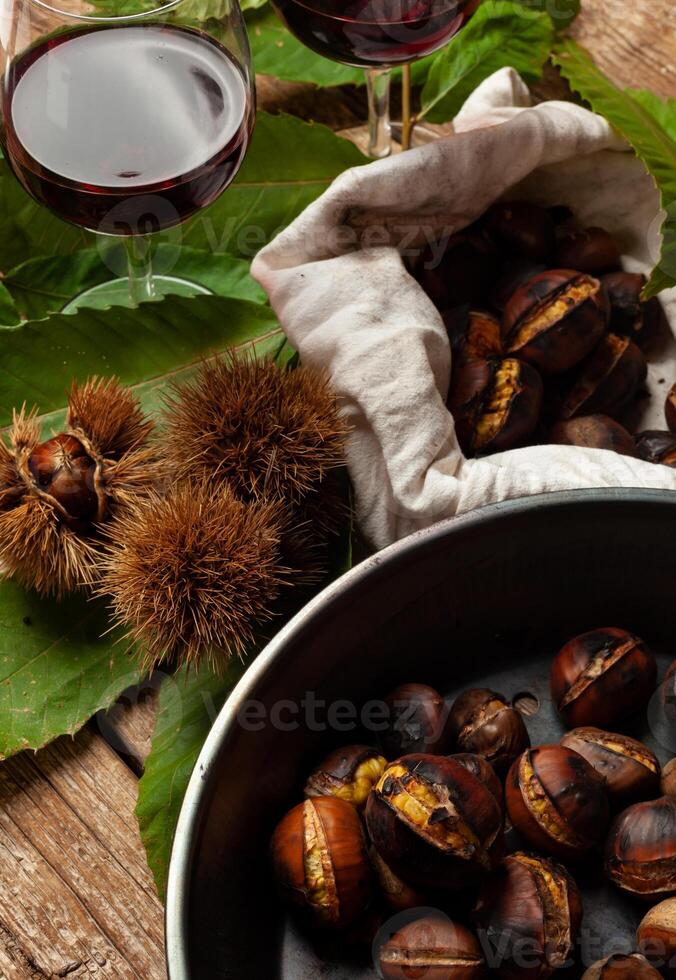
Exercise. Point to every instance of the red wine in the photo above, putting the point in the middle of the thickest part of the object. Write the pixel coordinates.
(126, 130)
(375, 33)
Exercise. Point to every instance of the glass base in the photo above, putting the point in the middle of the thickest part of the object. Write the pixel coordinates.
(116, 293)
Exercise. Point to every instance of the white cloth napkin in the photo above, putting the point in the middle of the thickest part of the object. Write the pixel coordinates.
(337, 281)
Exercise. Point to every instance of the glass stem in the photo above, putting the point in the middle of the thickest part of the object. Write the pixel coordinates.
(140, 263)
(380, 137)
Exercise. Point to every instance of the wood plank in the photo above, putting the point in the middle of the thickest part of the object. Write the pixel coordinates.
(76, 896)
(129, 724)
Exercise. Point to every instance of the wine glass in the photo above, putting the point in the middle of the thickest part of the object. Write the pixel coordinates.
(377, 35)
(126, 118)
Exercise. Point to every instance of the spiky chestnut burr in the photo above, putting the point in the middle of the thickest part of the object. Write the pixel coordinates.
(191, 575)
(56, 494)
(272, 434)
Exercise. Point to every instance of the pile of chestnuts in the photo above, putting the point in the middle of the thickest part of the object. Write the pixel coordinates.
(456, 843)
(551, 338)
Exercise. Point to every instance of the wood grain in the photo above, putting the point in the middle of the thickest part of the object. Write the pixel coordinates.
(76, 897)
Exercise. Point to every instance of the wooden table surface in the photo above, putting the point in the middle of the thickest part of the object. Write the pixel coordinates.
(76, 897)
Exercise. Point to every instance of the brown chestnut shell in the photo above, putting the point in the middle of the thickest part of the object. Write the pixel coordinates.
(417, 721)
(523, 229)
(555, 319)
(474, 335)
(620, 966)
(641, 849)
(396, 894)
(63, 469)
(592, 250)
(484, 772)
(348, 773)
(656, 935)
(602, 677)
(483, 722)
(432, 947)
(434, 823)
(609, 378)
(630, 770)
(556, 801)
(655, 446)
(531, 912)
(594, 432)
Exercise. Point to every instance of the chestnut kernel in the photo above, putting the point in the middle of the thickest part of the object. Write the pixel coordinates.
(630, 770)
(555, 319)
(657, 447)
(432, 947)
(399, 896)
(670, 409)
(434, 823)
(417, 721)
(656, 935)
(484, 772)
(484, 723)
(592, 250)
(474, 335)
(495, 404)
(594, 432)
(607, 380)
(62, 469)
(521, 228)
(321, 862)
(641, 849)
(349, 773)
(601, 677)
(557, 801)
(668, 781)
(632, 966)
(531, 910)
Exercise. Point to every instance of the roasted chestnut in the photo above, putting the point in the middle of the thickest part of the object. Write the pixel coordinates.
(531, 912)
(631, 966)
(434, 823)
(601, 677)
(474, 335)
(592, 250)
(459, 270)
(417, 721)
(555, 319)
(349, 773)
(521, 228)
(557, 801)
(657, 447)
(656, 935)
(495, 404)
(629, 315)
(484, 772)
(641, 849)
(399, 896)
(607, 380)
(515, 272)
(668, 781)
(434, 948)
(630, 770)
(594, 432)
(484, 722)
(321, 862)
(670, 409)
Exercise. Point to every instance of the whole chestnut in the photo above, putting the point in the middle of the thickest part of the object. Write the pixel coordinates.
(63, 469)
(670, 409)
(458, 270)
(555, 319)
(557, 801)
(601, 677)
(321, 863)
(434, 948)
(417, 721)
(474, 335)
(630, 770)
(531, 912)
(484, 723)
(657, 447)
(521, 228)
(656, 935)
(434, 823)
(484, 772)
(608, 379)
(641, 849)
(592, 250)
(515, 272)
(399, 896)
(594, 432)
(495, 404)
(668, 781)
(629, 315)
(631, 966)
(349, 773)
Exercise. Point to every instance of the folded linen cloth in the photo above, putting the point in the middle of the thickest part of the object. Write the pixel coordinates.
(338, 283)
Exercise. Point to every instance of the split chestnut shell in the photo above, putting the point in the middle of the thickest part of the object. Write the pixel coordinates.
(348, 773)
(641, 849)
(630, 770)
(434, 948)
